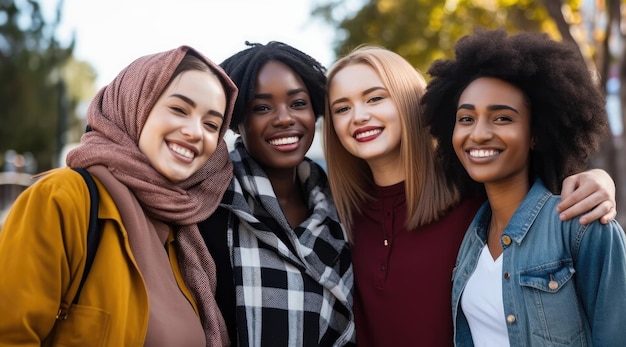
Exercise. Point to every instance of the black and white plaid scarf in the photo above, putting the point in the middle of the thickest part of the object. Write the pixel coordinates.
(301, 279)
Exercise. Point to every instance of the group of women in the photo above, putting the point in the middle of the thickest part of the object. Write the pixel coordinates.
(261, 247)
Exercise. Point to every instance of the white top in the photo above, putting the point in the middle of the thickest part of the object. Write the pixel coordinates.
(482, 303)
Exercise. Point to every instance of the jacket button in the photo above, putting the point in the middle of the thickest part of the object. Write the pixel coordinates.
(507, 276)
(506, 240)
(510, 319)
(553, 285)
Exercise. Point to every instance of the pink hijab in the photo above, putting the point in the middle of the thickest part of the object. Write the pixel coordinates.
(117, 115)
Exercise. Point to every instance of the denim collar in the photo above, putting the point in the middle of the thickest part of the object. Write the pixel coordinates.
(522, 219)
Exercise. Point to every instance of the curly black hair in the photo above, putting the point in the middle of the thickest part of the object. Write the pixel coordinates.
(243, 68)
(568, 115)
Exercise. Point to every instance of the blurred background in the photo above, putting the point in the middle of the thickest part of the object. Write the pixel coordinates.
(56, 54)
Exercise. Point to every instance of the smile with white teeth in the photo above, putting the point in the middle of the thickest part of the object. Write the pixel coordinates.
(284, 141)
(483, 153)
(368, 133)
(181, 150)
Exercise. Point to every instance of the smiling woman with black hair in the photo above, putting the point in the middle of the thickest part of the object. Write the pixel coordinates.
(517, 114)
(284, 268)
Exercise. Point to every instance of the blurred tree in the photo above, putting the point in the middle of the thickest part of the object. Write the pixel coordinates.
(423, 31)
(35, 104)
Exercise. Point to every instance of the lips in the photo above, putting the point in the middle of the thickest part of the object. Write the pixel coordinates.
(367, 133)
(282, 141)
(182, 151)
(483, 153)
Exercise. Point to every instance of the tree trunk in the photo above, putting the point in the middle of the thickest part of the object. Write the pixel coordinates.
(554, 10)
(608, 158)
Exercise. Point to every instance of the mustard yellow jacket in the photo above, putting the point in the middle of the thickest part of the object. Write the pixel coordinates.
(42, 257)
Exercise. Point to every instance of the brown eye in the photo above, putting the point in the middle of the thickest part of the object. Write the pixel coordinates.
(341, 110)
(177, 109)
(464, 119)
(299, 104)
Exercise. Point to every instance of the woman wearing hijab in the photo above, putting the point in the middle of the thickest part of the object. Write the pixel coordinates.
(156, 150)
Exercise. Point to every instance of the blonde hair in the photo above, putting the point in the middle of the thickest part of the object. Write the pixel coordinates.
(428, 197)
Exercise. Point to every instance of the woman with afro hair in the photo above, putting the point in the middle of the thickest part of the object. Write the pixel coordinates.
(284, 273)
(518, 114)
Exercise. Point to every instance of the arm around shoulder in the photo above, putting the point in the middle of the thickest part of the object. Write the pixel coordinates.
(589, 194)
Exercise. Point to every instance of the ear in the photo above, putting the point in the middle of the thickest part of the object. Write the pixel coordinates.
(533, 143)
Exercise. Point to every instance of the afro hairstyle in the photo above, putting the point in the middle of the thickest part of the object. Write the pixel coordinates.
(568, 115)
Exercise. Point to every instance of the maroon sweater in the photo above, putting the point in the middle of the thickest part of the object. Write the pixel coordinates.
(403, 289)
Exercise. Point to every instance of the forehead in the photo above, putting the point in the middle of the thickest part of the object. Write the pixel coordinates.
(492, 90)
(360, 71)
(275, 73)
(354, 76)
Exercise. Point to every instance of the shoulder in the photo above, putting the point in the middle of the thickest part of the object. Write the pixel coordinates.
(59, 176)
(594, 234)
(610, 232)
(62, 181)
(59, 199)
(67, 189)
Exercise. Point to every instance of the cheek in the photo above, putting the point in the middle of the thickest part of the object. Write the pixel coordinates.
(306, 118)
(457, 143)
(309, 120)
(210, 144)
(456, 139)
(340, 125)
(342, 129)
(519, 137)
(145, 138)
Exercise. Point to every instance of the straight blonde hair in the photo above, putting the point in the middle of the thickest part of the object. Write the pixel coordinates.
(428, 196)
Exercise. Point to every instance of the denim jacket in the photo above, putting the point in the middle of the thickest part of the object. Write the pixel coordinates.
(563, 283)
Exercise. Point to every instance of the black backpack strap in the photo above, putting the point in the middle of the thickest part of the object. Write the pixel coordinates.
(93, 232)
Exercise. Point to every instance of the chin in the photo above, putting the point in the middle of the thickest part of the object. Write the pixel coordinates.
(177, 177)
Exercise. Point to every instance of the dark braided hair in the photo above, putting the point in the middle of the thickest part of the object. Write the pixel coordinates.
(568, 115)
(243, 68)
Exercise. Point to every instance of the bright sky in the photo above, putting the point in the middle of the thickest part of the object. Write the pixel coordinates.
(110, 34)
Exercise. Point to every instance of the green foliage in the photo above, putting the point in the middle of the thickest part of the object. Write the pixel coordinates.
(32, 93)
(425, 30)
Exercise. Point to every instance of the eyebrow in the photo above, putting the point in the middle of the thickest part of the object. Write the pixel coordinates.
(490, 107)
(193, 104)
(289, 93)
(365, 92)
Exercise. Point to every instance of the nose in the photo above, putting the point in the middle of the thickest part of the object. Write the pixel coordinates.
(361, 115)
(481, 131)
(192, 128)
(283, 118)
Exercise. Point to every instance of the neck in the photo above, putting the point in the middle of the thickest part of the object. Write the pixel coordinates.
(504, 199)
(387, 172)
(289, 194)
(284, 183)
